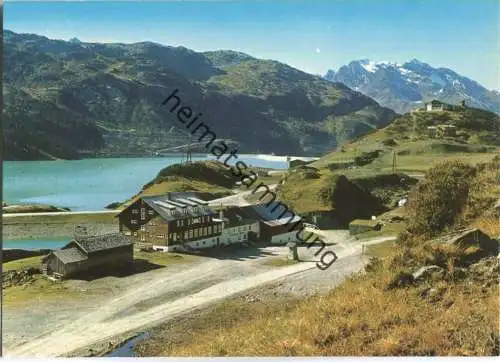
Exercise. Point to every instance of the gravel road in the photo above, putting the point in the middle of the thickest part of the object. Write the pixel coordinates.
(237, 199)
(147, 299)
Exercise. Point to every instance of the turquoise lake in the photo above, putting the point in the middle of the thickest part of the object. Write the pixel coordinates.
(91, 184)
(35, 244)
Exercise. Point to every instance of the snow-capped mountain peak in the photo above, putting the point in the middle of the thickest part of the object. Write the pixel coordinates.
(402, 87)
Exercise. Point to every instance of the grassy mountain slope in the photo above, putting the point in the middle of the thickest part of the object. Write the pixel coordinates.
(477, 139)
(114, 92)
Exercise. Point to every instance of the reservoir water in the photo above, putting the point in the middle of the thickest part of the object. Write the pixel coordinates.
(36, 244)
(91, 184)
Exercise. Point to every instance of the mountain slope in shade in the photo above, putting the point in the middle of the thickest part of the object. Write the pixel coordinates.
(407, 86)
(63, 98)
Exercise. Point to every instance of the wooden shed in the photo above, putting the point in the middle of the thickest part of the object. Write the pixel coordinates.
(89, 255)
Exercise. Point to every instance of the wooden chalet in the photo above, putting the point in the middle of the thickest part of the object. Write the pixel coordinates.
(170, 223)
(240, 224)
(280, 231)
(277, 224)
(92, 254)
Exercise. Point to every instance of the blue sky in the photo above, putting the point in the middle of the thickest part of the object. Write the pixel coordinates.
(311, 35)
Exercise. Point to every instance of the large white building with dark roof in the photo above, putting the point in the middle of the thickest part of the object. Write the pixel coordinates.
(170, 223)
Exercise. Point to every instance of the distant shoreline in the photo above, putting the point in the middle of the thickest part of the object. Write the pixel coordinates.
(54, 225)
(262, 156)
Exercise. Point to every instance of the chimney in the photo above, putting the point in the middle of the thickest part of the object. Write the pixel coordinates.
(221, 214)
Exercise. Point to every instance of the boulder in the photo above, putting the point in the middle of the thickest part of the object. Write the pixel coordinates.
(433, 294)
(18, 277)
(496, 209)
(401, 280)
(472, 237)
(426, 272)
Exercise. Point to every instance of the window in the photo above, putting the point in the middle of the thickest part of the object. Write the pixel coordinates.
(133, 222)
(151, 212)
(203, 243)
(143, 238)
(185, 235)
(143, 227)
(135, 233)
(135, 211)
(195, 233)
(190, 234)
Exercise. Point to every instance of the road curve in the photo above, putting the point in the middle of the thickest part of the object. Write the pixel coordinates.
(100, 324)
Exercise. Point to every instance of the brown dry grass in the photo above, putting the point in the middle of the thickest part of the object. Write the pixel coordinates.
(450, 315)
(363, 318)
(489, 224)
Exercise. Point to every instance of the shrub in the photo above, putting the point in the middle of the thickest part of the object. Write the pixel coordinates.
(389, 142)
(436, 202)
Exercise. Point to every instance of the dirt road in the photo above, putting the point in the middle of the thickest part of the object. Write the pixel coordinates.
(237, 199)
(167, 293)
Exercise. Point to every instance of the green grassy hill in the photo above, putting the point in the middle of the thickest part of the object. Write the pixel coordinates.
(64, 99)
(210, 178)
(408, 140)
(306, 190)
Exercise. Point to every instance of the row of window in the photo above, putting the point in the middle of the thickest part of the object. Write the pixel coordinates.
(143, 212)
(241, 229)
(203, 231)
(191, 221)
(189, 234)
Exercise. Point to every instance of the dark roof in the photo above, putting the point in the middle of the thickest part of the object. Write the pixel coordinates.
(261, 212)
(70, 255)
(275, 210)
(90, 244)
(159, 203)
(240, 216)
